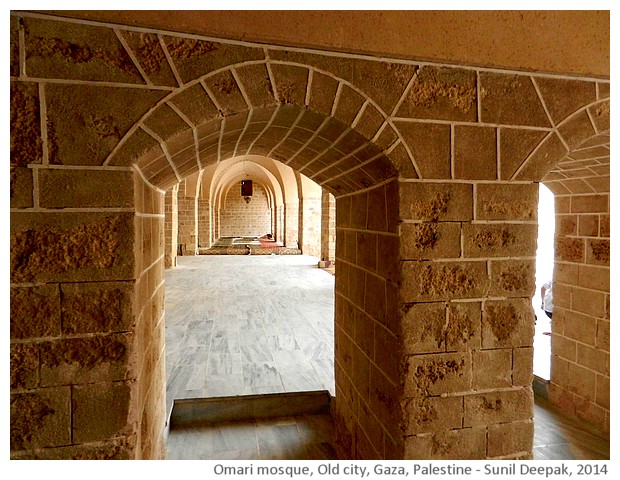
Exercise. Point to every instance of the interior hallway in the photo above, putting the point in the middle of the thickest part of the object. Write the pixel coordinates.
(241, 325)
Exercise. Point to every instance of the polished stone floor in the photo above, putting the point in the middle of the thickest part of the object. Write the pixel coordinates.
(241, 325)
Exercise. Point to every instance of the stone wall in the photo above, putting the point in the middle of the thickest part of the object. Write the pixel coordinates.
(581, 318)
(204, 223)
(148, 393)
(188, 224)
(171, 226)
(240, 219)
(291, 224)
(310, 213)
(328, 227)
(368, 355)
(74, 361)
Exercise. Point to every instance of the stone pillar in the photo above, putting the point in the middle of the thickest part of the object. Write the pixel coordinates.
(291, 225)
(83, 385)
(328, 228)
(369, 389)
(467, 278)
(188, 224)
(171, 226)
(310, 211)
(580, 361)
(204, 223)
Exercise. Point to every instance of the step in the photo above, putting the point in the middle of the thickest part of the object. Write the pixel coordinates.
(203, 411)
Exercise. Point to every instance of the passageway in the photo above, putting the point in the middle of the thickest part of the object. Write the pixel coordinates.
(241, 325)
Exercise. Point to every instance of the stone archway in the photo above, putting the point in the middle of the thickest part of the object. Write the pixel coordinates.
(434, 170)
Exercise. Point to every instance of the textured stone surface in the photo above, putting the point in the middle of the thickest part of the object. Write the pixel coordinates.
(14, 48)
(475, 153)
(101, 247)
(462, 443)
(21, 187)
(499, 240)
(35, 312)
(507, 323)
(151, 57)
(26, 143)
(85, 188)
(435, 201)
(430, 145)
(86, 122)
(74, 51)
(563, 97)
(506, 202)
(426, 240)
(24, 366)
(498, 407)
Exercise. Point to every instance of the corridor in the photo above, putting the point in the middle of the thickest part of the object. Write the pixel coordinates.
(242, 325)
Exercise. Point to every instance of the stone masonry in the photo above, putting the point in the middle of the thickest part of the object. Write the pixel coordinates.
(434, 167)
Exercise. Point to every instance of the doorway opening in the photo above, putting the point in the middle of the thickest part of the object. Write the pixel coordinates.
(544, 274)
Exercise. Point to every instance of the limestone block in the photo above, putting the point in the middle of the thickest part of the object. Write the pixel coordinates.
(450, 202)
(566, 224)
(387, 257)
(588, 226)
(588, 301)
(498, 407)
(257, 85)
(387, 353)
(24, 366)
(290, 83)
(370, 122)
(501, 201)
(434, 374)
(21, 187)
(492, 369)
(26, 143)
(41, 418)
(510, 100)
(35, 312)
(475, 153)
(81, 130)
(602, 333)
(80, 360)
(166, 123)
(507, 323)
(101, 307)
(149, 53)
(600, 114)
(507, 240)
(577, 130)
(563, 97)
(430, 146)
(360, 368)
(14, 45)
(602, 391)
(434, 281)
(581, 381)
(194, 58)
(357, 286)
(510, 438)
(515, 145)
(75, 51)
(139, 148)
(375, 298)
(462, 443)
(385, 397)
(593, 359)
(512, 278)
(441, 93)
(85, 188)
(226, 92)
(430, 240)
(522, 366)
(114, 449)
(100, 410)
(366, 251)
(543, 159)
(432, 414)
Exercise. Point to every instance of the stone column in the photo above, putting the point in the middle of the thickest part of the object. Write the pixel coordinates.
(311, 239)
(291, 225)
(204, 223)
(171, 226)
(188, 224)
(328, 228)
(467, 255)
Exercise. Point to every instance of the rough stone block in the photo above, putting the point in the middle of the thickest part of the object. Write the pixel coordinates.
(462, 443)
(602, 335)
(423, 327)
(515, 145)
(580, 327)
(41, 418)
(21, 187)
(375, 298)
(577, 130)
(35, 312)
(359, 211)
(589, 302)
(593, 359)
(99, 307)
(101, 246)
(581, 381)
(430, 146)
(387, 353)
(602, 391)
(434, 281)
(569, 249)
(384, 400)
(502, 201)
(498, 407)
(100, 411)
(510, 100)
(441, 93)
(510, 438)
(492, 369)
(81, 130)
(78, 360)
(590, 204)
(85, 188)
(598, 252)
(24, 366)
(593, 277)
(564, 347)
(507, 323)
(450, 202)
(508, 240)
(435, 374)
(366, 250)
(522, 366)
(475, 153)
(430, 240)
(431, 414)
(512, 278)
(26, 143)
(387, 259)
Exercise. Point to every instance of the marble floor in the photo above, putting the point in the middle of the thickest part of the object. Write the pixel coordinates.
(241, 325)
